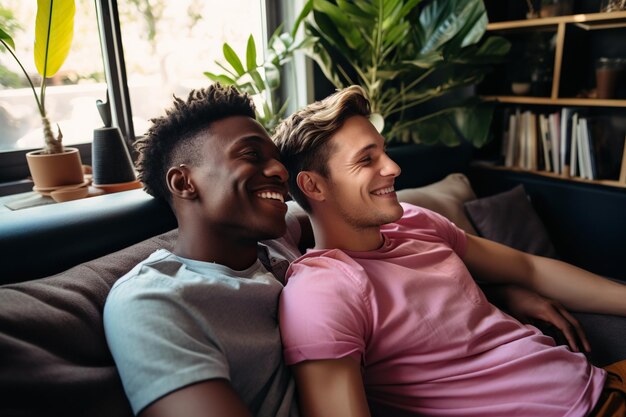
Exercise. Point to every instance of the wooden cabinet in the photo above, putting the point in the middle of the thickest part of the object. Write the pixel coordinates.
(560, 25)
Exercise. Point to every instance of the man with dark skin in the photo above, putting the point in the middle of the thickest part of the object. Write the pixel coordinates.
(194, 331)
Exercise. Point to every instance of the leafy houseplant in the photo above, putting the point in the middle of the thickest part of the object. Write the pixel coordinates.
(263, 80)
(54, 166)
(405, 56)
(54, 31)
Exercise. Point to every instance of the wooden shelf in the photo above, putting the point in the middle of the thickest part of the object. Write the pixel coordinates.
(547, 101)
(585, 21)
(609, 183)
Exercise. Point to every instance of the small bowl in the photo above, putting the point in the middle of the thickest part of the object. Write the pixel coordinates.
(68, 194)
(520, 88)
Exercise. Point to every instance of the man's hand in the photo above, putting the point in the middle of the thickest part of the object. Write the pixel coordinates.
(528, 306)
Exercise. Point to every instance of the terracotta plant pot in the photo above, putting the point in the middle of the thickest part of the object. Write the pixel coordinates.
(50, 171)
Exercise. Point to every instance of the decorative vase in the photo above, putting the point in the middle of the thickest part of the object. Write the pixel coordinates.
(110, 158)
(50, 171)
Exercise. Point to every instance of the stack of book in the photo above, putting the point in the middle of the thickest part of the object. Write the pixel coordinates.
(565, 142)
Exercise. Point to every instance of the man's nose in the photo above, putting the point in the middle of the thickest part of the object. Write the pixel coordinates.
(389, 167)
(275, 168)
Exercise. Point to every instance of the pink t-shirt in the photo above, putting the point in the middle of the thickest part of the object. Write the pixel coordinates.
(428, 340)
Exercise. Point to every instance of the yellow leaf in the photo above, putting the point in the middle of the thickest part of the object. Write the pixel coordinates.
(54, 30)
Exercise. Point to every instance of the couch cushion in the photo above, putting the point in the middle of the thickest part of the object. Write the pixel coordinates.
(509, 218)
(53, 354)
(445, 197)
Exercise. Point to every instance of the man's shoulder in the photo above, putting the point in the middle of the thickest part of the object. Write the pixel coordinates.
(326, 264)
(157, 267)
(325, 258)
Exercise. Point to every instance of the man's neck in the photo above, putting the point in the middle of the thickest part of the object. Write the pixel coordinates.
(344, 236)
(212, 246)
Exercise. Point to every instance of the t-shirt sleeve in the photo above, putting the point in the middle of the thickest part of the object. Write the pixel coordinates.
(421, 220)
(157, 346)
(323, 311)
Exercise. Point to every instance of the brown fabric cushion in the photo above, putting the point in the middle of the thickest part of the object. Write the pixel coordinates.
(54, 359)
(445, 197)
(509, 218)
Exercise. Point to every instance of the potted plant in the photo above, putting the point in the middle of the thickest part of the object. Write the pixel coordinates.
(54, 165)
(406, 55)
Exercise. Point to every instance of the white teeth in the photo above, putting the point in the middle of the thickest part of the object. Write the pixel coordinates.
(271, 195)
(384, 191)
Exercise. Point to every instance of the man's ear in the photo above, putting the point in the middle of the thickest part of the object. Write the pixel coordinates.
(312, 185)
(180, 183)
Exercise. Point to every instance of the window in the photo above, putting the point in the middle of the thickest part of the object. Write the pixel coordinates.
(70, 95)
(167, 45)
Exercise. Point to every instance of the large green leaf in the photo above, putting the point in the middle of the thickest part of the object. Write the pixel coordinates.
(474, 123)
(251, 54)
(491, 50)
(258, 80)
(470, 122)
(224, 79)
(54, 30)
(441, 26)
(342, 24)
(474, 18)
(7, 38)
(233, 59)
(306, 10)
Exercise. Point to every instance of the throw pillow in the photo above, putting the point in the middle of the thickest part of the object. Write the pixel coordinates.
(509, 218)
(445, 197)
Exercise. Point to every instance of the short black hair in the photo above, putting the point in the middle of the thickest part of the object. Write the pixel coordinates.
(173, 139)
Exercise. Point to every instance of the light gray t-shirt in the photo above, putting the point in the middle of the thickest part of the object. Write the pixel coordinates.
(171, 322)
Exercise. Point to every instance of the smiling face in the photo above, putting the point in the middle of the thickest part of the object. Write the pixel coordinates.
(361, 176)
(241, 184)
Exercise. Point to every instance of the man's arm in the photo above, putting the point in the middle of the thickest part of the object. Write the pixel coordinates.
(329, 388)
(214, 398)
(574, 287)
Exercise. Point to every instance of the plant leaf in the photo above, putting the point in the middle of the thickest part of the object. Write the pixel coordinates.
(308, 6)
(251, 54)
(7, 38)
(233, 59)
(260, 85)
(54, 30)
(223, 79)
(272, 76)
(469, 122)
(342, 24)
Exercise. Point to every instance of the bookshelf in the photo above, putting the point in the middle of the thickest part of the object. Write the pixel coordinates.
(569, 56)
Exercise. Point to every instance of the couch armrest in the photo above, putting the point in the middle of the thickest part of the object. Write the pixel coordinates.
(44, 240)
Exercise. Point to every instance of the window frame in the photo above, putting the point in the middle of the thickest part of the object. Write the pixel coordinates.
(14, 173)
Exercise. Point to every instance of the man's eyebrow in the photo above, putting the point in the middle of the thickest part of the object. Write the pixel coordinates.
(253, 138)
(365, 150)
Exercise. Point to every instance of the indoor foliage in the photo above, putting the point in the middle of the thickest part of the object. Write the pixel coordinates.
(405, 54)
(54, 30)
(263, 80)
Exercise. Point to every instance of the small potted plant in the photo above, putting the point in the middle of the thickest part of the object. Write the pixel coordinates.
(53, 166)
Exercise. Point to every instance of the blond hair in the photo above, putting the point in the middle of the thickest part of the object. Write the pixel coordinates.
(304, 137)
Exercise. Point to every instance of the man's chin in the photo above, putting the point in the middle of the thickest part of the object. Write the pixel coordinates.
(273, 232)
(394, 215)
